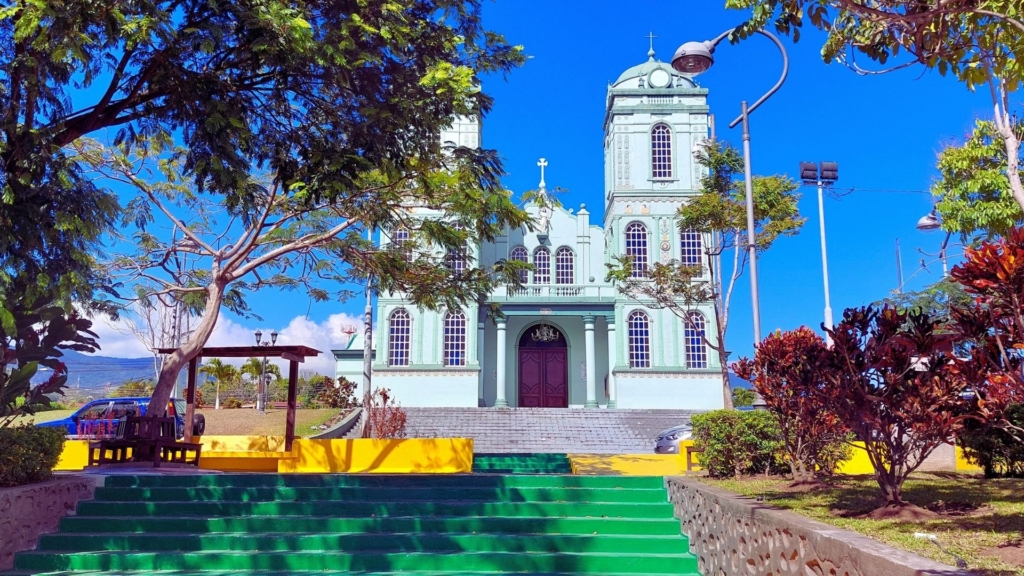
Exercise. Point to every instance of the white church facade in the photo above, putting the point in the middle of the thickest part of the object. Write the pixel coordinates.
(568, 338)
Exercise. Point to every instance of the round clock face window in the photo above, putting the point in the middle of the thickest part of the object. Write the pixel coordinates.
(659, 78)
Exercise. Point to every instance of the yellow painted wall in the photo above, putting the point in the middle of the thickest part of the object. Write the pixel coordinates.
(406, 456)
(962, 465)
(627, 464)
(75, 455)
(259, 443)
(858, 462)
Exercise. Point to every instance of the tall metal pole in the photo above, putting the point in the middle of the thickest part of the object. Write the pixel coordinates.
(942, 254)
(899, 269)
(751, 233)
(824, 264)
(367, 345)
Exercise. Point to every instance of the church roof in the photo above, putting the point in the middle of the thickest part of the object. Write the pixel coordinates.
(652, 64)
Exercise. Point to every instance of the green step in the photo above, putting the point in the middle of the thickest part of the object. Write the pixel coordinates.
(364, 508)
(491, 525)
(353, 543)
(495, 562)
(382, 481)
(348, 494)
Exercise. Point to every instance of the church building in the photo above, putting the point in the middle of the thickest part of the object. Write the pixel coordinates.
(569, 338)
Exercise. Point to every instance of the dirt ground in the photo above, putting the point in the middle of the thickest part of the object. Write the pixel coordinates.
(246, 421)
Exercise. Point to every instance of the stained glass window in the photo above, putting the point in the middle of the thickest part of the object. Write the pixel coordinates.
(520, 254)
(661, 151)
(693, 340)
(564, 266)
(455, 339)
(636, 247)
(541, 266)
(691, 248)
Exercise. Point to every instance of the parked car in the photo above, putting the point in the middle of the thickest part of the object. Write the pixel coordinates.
(99, 417)
(668, 440)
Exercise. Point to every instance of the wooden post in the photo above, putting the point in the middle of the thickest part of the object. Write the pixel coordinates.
(190, 397)
(293, 383)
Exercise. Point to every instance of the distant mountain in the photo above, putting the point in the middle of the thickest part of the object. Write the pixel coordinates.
(92, 375)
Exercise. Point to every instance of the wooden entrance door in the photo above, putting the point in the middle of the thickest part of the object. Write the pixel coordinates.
(543, 373)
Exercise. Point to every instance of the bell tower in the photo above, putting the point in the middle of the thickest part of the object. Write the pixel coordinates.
(654, 119)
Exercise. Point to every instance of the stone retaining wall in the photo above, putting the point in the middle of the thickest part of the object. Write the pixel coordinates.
(733, 535)
(34, 509)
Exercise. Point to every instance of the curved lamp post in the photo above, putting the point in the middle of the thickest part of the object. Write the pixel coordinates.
(696, 57)
(930, 222)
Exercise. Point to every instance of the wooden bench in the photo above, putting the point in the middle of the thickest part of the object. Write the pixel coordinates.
(144, 439)
(690, 464)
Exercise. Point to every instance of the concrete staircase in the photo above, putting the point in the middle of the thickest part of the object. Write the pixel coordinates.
(538, 430)
(267, 525)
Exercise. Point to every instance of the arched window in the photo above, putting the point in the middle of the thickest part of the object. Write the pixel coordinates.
(661, 151)
(691, 248)
(639, 340)
(520, 254)
(693, 341)
(455, 339)
(636, 248)
(399, 337)
(564, 266)
(455, 259)
(541, 266)
(402, 243)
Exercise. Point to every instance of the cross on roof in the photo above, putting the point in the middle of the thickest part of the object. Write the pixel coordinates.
(542, 163)
(650, 36)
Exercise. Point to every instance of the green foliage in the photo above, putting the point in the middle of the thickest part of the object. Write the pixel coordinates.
(30, 337)
(325, 392)
(961, 39)
(990, 446)
(134, 388)
(743, 397)
(736, 443)
(231, 403)
(973, 190)
(29, 454)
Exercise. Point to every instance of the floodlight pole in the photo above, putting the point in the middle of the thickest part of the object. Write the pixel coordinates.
(824, 264)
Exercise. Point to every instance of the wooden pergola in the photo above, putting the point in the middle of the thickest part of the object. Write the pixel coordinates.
(293, 354)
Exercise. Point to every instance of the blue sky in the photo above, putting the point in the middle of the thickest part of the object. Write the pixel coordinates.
(883, 130)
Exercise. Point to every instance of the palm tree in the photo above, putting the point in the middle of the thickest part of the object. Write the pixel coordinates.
(220, 372)
(254, 368)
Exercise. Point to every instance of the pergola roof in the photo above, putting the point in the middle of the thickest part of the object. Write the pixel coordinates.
(247, 351)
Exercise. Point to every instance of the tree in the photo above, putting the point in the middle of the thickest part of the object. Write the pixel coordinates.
(788, 373)
(133, 388)
(332, 103)
(221, 373)
(973, 190)
(159, 321)
(718, 213)
(891, 381)
(743, 397)
(979, 42)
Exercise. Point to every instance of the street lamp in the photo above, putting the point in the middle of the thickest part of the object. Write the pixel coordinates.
(261, 387)
(696, 57)
(929, 223)
(826, 176)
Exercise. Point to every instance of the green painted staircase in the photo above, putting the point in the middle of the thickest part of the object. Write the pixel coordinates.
(538, 463)
(372, 525)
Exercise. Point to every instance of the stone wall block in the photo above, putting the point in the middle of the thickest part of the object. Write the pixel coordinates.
(733, 535)
(34, 509)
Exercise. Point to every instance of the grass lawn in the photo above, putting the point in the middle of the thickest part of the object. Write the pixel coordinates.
(246, 421)
(979, 520)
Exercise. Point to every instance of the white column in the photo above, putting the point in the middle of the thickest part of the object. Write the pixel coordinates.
(500, 401)
(588, 332)
(610, 320)
(480, 361)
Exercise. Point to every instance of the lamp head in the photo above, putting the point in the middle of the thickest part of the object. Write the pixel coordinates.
(259, 336)
(273, 337)
(929, 222)
(693, 57)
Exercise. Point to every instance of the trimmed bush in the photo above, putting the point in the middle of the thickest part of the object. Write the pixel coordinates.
(29, 454)
(231, 403)
(736, 443)
(997, 451)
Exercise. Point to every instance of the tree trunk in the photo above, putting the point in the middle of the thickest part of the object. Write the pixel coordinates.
(892, 490)
(179, 358)
(216, 401)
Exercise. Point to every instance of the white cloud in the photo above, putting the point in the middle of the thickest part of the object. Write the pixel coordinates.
(117, 341)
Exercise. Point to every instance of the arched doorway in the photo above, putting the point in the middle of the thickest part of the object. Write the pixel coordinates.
(543, 368)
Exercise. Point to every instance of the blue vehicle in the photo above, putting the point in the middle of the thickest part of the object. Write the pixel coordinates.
(98, 418)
